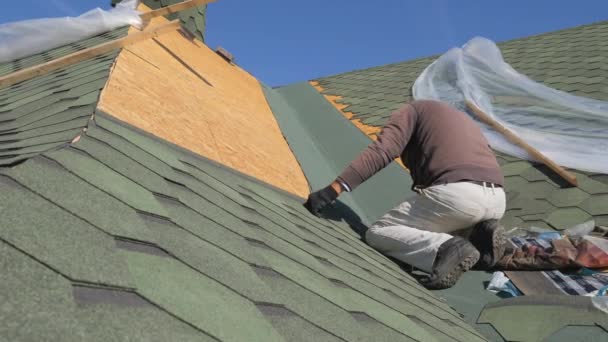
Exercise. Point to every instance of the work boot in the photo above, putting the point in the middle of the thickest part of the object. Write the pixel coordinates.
(454, 257)
(490, 240)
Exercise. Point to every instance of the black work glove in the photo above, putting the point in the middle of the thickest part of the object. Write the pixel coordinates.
(320, 199)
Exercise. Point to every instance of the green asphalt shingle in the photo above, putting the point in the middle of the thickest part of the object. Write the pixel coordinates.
(571, 60)
(38, 303)
(553, 316)
(219, 254)
(19, 64)
(48, 111)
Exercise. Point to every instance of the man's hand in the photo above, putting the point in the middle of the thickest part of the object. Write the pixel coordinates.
(318, 200)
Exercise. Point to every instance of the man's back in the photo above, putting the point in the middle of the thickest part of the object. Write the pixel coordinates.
(450, 158)
(438, 143)
(447, 146)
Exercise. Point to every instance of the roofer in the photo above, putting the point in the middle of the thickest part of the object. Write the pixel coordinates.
(459, 186)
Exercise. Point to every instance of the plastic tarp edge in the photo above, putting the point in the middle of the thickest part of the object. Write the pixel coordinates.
(28, 37)
(571, 130)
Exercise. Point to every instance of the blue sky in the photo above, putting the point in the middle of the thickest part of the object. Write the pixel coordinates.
(286, 41)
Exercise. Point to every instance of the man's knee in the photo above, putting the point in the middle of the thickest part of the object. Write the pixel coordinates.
(373, 235)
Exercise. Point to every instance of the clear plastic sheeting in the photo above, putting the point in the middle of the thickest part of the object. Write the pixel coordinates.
(571, 130)
(28, 37)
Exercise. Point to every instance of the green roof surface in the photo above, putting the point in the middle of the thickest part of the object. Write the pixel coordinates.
(129, 231)
(194, 19)
(571, 60)
(119, 235)
(47, 112)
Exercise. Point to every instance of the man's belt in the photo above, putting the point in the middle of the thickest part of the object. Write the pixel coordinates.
(487, 184)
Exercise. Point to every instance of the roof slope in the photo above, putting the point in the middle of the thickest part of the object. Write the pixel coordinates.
(572, 60)
(47, 112)
(119, 235)
(130, 231)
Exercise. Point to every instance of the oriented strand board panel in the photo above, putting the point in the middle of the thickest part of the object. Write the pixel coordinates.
(182, 91)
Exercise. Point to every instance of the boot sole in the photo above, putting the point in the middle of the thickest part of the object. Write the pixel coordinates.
(452, 277)
(491, 256)
(499, 245)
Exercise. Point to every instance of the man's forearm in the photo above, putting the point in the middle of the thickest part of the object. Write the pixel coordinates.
(337, 186)
(388, 146)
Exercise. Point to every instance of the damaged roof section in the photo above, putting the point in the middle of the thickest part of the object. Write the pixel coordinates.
(49, 111)
(193, 20)
(182, 91)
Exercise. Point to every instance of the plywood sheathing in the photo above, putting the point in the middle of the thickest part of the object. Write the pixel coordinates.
(182, 91)
(370, 131)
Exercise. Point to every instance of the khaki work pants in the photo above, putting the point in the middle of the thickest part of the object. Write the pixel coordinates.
(413, 231)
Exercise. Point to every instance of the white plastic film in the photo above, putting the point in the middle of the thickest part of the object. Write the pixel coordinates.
(571, 130)
(28, 37)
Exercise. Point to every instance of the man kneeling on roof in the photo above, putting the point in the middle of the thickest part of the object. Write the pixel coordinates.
(459, 185)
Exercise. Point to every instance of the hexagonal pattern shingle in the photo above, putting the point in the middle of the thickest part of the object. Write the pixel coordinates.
(515, 168)
(565, 218)
(536, 173)
(540, 189)
(591, 186)
(515, 183)
(596, 205)
(600, 178)
(531, 206)
(567, 197)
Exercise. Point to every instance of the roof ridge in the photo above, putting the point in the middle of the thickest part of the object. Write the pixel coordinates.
(376, 66)
(605, 22)
(437, 55)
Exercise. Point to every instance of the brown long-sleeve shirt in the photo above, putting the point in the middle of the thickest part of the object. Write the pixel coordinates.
(438, 143)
